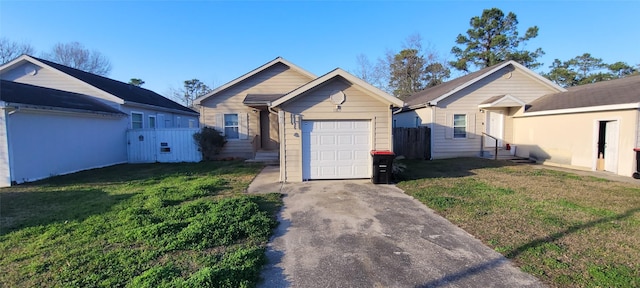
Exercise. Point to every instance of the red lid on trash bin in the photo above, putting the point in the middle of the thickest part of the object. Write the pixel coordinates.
(636, 149)
(382, 152)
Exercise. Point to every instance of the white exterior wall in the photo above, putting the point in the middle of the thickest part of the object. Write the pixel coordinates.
(466, 101)
(163, 119)
(162, 145)
(5, 168)
(56, 80)
(408, 119)
(571, 139)
(44, 144)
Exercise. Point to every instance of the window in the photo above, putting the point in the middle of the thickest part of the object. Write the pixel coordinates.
(418, 122)
(192, 123)
(231, 126)
(152, 122)
(136, 120)
(459, 126)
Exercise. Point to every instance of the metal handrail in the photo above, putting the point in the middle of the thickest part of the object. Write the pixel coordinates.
(495, 155)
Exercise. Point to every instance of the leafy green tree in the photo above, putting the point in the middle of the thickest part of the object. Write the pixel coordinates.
(493, 38)
(136, 82)
(192, 89)
(585, 69)
(436, 73)
(407, 73)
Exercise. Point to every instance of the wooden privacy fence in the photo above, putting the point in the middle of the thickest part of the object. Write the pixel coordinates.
(412, 143)
(162, 145)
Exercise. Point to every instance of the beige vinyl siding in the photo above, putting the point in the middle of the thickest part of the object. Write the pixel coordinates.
(408, 119)
(46, 77)
(505, 81)
(277, 79)
(316, 105)
(571, 139)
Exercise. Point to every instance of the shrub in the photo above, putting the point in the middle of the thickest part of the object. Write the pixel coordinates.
(210, 141)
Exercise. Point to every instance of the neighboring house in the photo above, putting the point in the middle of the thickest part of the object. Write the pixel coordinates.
(323, 128)
(58, 120)
(460, 112)
(146, 109)
(587, 122)
(46, 132)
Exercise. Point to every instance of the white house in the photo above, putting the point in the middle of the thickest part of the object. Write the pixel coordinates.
(57, 120)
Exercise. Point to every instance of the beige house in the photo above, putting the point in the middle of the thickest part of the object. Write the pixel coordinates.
(587, 123)
(322, 128)
(470, 115)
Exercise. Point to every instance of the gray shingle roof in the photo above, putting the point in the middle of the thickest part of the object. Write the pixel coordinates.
(260, 98)
(612, 92)
(432, 93)
(127, 92)
(13, 92)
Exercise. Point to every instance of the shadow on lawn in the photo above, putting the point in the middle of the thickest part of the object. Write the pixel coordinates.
(29, 209)
(447, 168)
(572, 229)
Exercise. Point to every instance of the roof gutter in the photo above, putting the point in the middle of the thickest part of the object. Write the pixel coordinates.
(614, 107)
(153, 107)
(16, 107)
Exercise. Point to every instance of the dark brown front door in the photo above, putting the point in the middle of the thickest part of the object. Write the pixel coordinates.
(268, 131)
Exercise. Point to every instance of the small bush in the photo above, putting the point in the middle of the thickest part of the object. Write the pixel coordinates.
(210, 141)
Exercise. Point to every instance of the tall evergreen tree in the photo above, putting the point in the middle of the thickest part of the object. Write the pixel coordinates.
(585, 69)
(493, 38)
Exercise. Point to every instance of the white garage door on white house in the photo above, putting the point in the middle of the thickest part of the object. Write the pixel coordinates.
(336, 149)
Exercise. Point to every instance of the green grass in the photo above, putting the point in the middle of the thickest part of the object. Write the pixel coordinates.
(149, 225)
(566, 229)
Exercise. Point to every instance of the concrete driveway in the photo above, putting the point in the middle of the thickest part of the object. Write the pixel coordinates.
(356, 234)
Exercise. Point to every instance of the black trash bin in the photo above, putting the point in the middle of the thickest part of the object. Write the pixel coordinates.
(636, 174)
(382, 166)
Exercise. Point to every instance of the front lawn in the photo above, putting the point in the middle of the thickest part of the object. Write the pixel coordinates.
(567, 230)
(146, 225)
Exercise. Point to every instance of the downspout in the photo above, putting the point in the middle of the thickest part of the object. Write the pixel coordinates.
(283, 155)
(431, 125)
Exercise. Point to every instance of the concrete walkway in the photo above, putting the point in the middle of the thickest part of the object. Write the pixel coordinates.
(267, 181)
(356, 234)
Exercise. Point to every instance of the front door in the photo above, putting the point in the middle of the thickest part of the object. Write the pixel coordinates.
(611, 147)
(268, 131)
(494, 127)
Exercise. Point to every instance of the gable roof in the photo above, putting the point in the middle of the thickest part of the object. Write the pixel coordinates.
(437, 93)
(19, 93)
(267, 65)
(346, 75)
(612, 92)
(124, 91)
(502, 101)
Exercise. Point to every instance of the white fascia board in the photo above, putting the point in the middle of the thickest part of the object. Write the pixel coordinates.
(199, 100)
(344, 74)
(59, 110)
(158, 108)
(501, 99)
(583, 110)
(510, 62)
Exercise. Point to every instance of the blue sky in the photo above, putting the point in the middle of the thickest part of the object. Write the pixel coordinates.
(167, 42)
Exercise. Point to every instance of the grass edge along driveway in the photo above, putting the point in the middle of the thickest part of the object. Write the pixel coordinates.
(137, 225)
(567, 230)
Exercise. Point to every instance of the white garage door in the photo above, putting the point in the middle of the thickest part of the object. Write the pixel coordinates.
(336, 149)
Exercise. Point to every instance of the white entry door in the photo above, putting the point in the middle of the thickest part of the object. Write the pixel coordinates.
(611, 147)
(336, 149)
(494, 127)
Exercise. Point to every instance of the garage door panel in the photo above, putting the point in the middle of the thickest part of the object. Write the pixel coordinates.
(336, 149)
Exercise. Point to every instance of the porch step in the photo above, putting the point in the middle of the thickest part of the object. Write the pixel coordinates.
(505, 155)
(267, 157)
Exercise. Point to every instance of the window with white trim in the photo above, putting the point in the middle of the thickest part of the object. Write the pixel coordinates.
(459, 126)
(136, 120)
(231, 126)
(152, 122)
